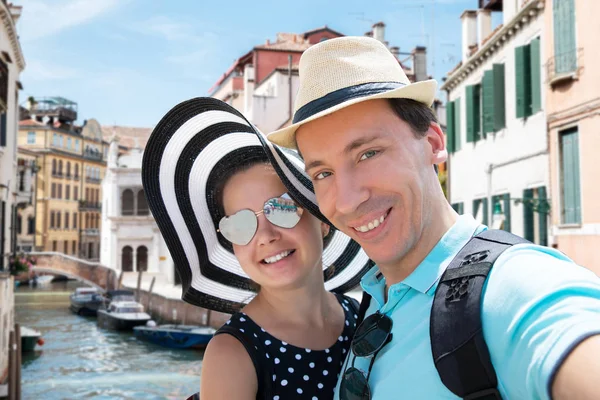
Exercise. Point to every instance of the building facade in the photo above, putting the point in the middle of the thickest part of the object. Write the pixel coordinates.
(573, 107)
(131, 240)
(496, 120)
(70, 167)
(26, 200)
(11, 66)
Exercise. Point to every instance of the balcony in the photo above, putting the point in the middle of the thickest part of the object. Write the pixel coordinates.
(75, 177)
(92, 154)
(564, 67)
(57, 174)
(88, 205)
(89, 179)
(90, 232)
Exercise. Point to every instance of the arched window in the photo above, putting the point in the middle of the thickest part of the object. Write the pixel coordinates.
(142, 259)
(76, 170)
(54, 167)
(127, 202)
(127, 259)
(142, 204)
(60, 165)
(68, 168)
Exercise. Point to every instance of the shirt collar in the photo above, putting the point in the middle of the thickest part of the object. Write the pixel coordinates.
(429, 271)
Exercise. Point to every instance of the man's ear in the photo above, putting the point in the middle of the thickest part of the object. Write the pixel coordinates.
(436, 139)
(325, 229)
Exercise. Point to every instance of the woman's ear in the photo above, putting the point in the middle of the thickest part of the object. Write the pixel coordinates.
(324, 229)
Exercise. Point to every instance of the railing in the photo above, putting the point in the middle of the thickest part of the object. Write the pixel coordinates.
(90, 232)
(92, 155)
(92, 180)
(84, 204)
(564, 66)
(57, 174)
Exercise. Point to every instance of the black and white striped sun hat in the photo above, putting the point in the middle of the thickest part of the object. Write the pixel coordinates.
(189, 150)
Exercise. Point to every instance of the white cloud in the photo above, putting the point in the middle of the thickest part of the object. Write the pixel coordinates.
(46, 71)
(44, 18)
(171, 30)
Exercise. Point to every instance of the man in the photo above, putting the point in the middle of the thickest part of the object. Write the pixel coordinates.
(370, 143)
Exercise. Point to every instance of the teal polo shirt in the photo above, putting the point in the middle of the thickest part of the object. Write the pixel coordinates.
(537, 306)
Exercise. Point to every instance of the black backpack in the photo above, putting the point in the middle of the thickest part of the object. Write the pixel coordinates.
(460, 353)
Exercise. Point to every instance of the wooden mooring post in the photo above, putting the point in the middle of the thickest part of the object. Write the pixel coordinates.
(139, 285)
(149, 307)
(120, 280)
(14, 364)
(19, 359)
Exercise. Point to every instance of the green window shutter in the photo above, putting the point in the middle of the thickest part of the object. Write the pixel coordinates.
(457, 130)
(571, 192)
(536, 75)
(461, 208)
(477, 117)
(470, 114)
(522, 79)
(528, 227)
(506, 198)
(450, 127)
(564, 36)
(488, 101)
(499, 102)
(543, 218)
(485, 211)
(475, 207)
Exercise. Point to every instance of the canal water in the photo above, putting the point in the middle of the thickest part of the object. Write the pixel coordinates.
(81, 361)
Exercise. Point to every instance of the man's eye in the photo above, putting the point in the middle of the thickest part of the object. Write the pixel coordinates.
(322, 175)
(368, 154)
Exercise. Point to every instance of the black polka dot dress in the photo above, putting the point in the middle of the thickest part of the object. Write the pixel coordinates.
(285, 371)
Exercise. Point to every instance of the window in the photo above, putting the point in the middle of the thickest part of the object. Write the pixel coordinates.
(127, 259)
(97, 221)
(535, 229)
(74, 220)
(473, 113)
(76, 170)
(60, 165)
(68, 192)
(54, 245)
(127, 202)
(74, 247)
(501, 203)
(58, 219)
(142, 258)
(565, 51)
(75, 193)
(3, 129)
(528, 79)
(66, 247)
(60, 141)
(52, 220)
(570, 189)
(87, 194)
(87, 220)
(30, 225)
(59, 190)
(66, 220)
(453, 134)
(480, 210)
(55, 140)
(22, 180)
(142, 204)
(69, 143)
(19, 224)
(492, 103)
(77, 144)
(53, 191)
(30, 137)
(54, 167)
(68, 168)
(459, 207)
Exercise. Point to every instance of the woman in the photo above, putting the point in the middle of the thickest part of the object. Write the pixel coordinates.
(228, 214)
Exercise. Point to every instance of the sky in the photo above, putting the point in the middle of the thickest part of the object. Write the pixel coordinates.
(127, 62)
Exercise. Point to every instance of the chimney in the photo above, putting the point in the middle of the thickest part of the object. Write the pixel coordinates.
(420, 63)
(395, 51)
(379, 32)
(469, 32)
(369, 34)
(484, 25)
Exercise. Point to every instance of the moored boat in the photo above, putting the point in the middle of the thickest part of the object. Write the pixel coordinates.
(29, 338)
(122, 313)
(176, 336)
(86, 301)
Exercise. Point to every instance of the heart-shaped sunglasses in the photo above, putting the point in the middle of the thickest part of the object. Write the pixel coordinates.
(241, 227)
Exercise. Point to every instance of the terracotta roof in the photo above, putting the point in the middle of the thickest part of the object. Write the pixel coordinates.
(27, 122)
(284, 46)
(323, 28)
(127, 135)
(492, 34)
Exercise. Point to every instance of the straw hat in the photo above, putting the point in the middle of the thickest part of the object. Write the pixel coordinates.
(340, 72)
(187, 155)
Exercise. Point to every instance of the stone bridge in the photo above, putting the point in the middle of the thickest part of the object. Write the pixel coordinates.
(92, 273)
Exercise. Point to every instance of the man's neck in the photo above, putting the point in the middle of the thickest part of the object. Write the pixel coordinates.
(432, 232)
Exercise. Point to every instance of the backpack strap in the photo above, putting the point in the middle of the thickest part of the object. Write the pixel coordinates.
(364, 306)
(263, 378)
(460, 353)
